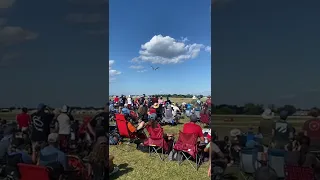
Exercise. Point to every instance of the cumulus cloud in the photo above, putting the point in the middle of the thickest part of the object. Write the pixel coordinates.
(136, 67)
(208, 49)
(166, 50)
(112, 72)
(10, 35)
(85, 18)
(4, 4)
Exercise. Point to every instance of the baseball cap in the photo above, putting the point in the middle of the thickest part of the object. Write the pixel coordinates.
(41, 106)
(193, 118)
(64, 109)
(53, 137)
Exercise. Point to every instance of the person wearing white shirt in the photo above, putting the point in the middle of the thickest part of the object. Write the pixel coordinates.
(64, 128)
(129, 102)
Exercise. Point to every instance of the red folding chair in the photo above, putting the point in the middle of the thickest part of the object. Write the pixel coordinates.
(122, 125)
(205, 118)
(187, 145)
(80, 170)
(293, 172)
(156, 142)
(31, 172)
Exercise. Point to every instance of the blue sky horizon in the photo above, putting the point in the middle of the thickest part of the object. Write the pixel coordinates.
(175, 36)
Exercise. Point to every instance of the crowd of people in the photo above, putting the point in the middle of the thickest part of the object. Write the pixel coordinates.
(152, 113)
(47, 138)
(298, 147)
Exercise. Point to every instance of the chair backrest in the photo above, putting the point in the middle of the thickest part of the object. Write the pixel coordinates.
(30, 172)
(122, 125)
(155, 133)
(293, 172)
(276, 161)
(188, 139)
(46, 159)
(75, 163)
(168, 113)
(248, 160)
(204, 118)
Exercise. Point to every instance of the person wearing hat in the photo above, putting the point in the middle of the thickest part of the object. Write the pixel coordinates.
(193, 128)
(51, 149)
(64, 131)
(40, 124)
(282, 131)
(265, 127)
(153, 109)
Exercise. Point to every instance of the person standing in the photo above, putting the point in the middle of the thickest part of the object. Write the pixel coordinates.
(64, 131)
(23, 120)
(40, 123)
(282, 131)
(311, 128)
(129, 102)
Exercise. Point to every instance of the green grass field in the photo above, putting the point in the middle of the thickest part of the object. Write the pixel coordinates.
(135, 164)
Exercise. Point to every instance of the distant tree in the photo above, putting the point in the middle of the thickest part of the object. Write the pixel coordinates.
(289, 108)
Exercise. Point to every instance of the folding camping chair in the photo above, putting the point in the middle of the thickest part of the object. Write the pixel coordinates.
(187, 145)
(124, 132)
(156, 142)
(78, 167)
(276, 161)
(293, 172)
(31, 172)
(248, 162)
(205, 119)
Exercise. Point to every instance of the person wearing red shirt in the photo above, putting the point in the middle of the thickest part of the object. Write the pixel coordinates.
(152, 109)
(23, 120)
(311, 129)
(193, 128)
(116, 99)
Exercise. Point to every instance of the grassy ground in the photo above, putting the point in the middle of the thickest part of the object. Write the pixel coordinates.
(135, 164)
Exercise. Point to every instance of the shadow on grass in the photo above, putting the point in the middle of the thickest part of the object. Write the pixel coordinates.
(123, 169)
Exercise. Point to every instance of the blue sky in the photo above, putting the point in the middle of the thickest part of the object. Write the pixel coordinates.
(266, 52)
(176, 37)
(53, 52)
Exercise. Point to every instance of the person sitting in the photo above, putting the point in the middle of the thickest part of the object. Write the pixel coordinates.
(153, 123)
(300, 155)
(193, 128)
(153, 109)
(52, 149)
(5, 142)
(99, 161)
(282, 131)
(168, 115)
(125, 110)
(18, 146)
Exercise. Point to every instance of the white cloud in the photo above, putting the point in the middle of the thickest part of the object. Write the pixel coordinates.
(112, 72)
(136, 67)
(208, 49)
(142, 71)
(6, 3)
(184, 39)
(166, 50)
(10, 35)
